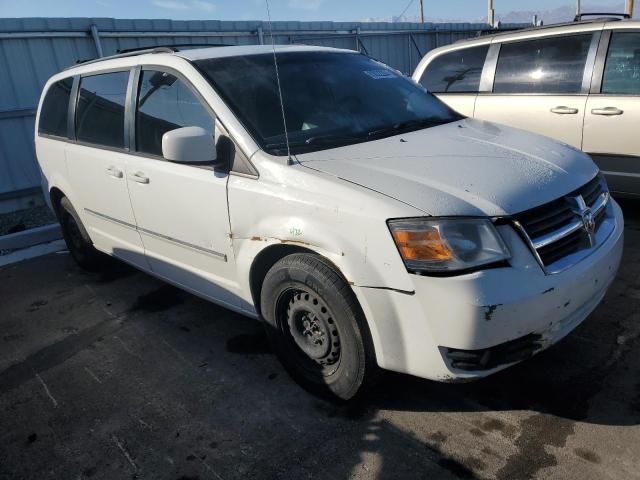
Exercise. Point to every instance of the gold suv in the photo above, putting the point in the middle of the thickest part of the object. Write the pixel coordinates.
(577, 82)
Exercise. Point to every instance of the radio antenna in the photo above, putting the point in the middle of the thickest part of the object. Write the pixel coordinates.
(275, 62)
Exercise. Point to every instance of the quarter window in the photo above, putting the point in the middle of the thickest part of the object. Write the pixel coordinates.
(622, 69)
(548, 65)
(458, 71)
(166, 103)
(55, 108)
(100, 110)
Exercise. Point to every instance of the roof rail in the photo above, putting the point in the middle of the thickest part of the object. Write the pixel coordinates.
(123, 55)
(498, 33)
(603, 16)
(132, 52)
(175, 47)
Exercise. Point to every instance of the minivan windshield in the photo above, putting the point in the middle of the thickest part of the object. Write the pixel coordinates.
(330, 99)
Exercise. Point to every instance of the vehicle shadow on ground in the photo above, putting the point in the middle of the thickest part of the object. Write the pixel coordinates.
(582, 378)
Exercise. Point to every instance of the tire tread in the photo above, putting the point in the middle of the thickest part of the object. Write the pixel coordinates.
(329, 273)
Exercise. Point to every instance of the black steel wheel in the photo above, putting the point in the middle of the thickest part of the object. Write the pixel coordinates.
(304, 316)
(316, 326)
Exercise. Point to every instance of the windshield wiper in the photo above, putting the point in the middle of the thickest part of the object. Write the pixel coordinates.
(407, 126)
(332, 138)
(338, 139)
(324, 140)
(316, 140)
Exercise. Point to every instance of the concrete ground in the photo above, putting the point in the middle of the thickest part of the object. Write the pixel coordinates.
(117, 375)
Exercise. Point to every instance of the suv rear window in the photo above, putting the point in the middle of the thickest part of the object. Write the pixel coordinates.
(622, 70)
(457, 71)
(55, 108)
(100, 111)
(546, 65)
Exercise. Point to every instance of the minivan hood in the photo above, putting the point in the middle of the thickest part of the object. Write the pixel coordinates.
(470, 167)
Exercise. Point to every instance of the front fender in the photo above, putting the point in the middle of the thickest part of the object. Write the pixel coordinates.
(344, 223)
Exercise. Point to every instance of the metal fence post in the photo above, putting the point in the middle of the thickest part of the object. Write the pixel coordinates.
(628, 7)
(96, 39)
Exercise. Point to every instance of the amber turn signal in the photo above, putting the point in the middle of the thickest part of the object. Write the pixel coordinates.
(447, 244)
(421, 245)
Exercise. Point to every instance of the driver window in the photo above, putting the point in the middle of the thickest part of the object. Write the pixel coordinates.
(165, 103)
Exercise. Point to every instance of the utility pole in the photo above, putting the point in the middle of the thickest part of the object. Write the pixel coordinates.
(578, 9)
(490, 13)
(422, 11)
(628, 7)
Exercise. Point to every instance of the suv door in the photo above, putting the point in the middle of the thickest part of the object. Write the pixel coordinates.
(96, 163)
(454, 77)
(181, 209)
(613, 111)
(541, 85)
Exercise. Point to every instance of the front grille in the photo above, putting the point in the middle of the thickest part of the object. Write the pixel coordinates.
(561, 227)
(488, 358)
(546, 218)
(563, 247)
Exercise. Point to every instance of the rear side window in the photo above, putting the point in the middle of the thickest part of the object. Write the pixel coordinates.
(458, 71)
(55, 108)
(548, 65)
(622, 69)
(165, 103)
(100, 110)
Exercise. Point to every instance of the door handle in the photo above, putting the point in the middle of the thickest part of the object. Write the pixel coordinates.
(562, 110)
(608, 111)
(114, 172)
(139, 177)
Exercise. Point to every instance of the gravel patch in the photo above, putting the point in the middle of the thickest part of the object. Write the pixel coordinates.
(25, 219)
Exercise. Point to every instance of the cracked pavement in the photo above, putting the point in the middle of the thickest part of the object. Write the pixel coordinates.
(118, 375)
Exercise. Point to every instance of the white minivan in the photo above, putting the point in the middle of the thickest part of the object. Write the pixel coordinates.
(379, 229)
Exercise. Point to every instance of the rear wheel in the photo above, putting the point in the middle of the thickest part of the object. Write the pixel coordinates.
(77, 239)
(316, 326)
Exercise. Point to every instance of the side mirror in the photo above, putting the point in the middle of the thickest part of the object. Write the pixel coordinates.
(189, 145)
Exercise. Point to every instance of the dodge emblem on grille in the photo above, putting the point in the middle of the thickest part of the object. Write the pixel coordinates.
(588, 221)
(586, 216)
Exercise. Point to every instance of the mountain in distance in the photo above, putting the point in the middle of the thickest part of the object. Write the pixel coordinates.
(560, 14)
(554, 15)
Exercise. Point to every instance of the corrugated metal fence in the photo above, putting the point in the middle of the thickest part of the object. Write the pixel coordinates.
(33, 49)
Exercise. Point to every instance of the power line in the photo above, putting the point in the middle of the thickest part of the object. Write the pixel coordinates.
(405, 9)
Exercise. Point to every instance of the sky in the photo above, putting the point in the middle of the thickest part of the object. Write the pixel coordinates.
(304, 10)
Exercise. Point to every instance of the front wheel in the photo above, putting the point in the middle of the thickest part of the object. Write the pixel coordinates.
(316, 326)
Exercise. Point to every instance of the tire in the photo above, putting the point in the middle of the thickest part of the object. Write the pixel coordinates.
(317, 328)
(77, 239)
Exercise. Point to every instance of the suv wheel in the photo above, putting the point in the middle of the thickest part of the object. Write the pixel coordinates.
(77, 238)
(316, 326)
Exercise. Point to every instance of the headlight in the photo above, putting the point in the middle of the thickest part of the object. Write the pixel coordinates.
(444, 245)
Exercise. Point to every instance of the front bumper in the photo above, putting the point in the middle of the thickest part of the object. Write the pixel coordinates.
(416, 333)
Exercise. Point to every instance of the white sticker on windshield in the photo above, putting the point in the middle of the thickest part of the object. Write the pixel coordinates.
(379, 74)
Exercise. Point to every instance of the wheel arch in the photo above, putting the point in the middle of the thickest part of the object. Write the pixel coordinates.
(267, 258)
(56, 195)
